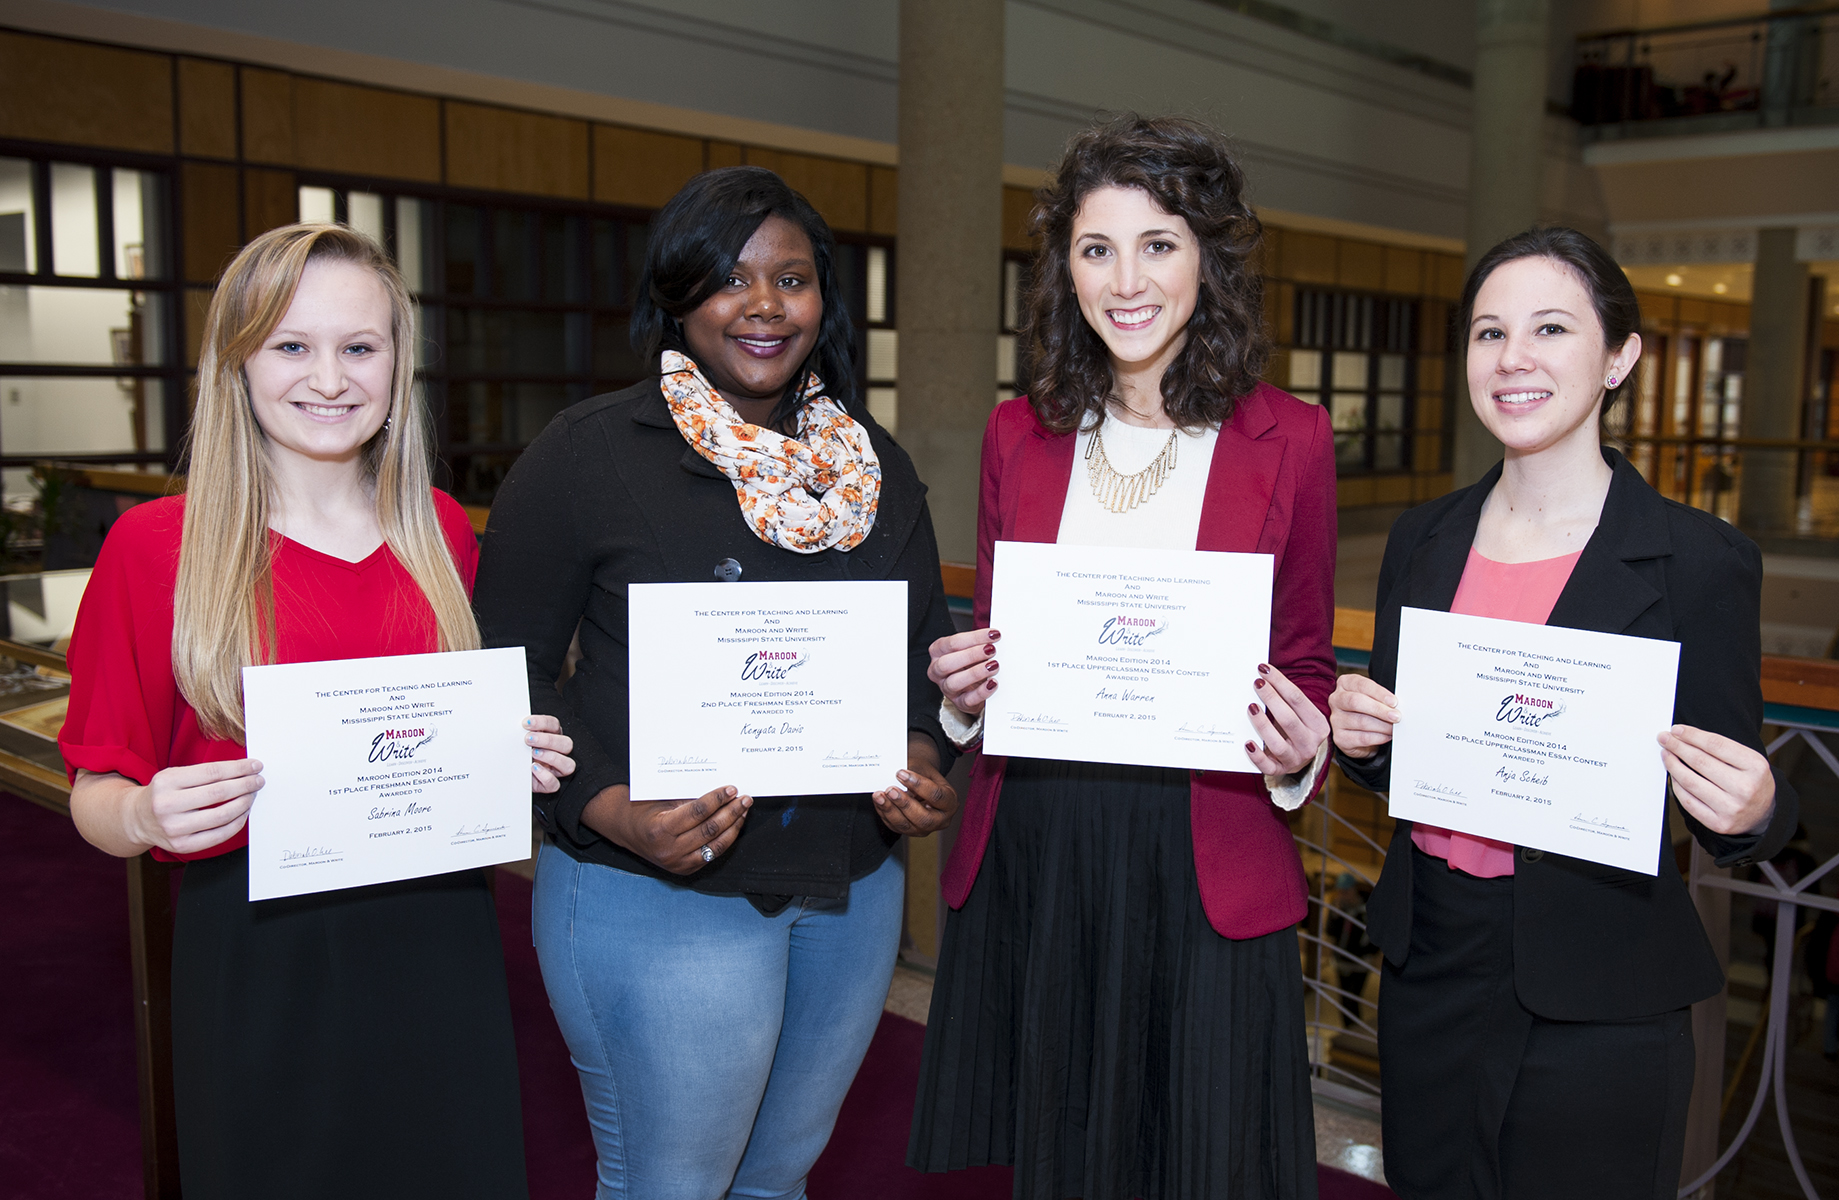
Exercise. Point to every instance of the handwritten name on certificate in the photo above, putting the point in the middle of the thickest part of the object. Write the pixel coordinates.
(1534, 735)
(1121, 655)
(386, 768)
(779, 689)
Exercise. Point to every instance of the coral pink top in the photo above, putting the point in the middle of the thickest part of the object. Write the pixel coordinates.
(1509, 592)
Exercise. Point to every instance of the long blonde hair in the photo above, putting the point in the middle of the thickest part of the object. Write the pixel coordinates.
(224, 606)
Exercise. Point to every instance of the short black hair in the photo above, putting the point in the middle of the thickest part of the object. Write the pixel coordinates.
(1611, 294)
(696, 240)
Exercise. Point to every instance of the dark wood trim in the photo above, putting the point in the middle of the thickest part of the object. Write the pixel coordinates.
(150, 913)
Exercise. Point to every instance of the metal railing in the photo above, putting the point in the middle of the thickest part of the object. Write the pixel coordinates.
(1779, 68)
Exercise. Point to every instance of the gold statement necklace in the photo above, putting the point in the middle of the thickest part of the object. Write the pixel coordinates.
(1120, 493)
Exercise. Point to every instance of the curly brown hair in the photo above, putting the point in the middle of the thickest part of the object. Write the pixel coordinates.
(1188, 170)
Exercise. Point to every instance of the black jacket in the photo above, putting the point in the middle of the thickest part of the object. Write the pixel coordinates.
(610, 495)
(1593, 942)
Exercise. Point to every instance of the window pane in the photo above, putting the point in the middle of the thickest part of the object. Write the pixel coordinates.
(1005, 358)
(878, 288)
(74, 246)
(84, 326)
(317, 205)
(1391, 412)
(1012, 298)
(364, 211)
(501, 414)
(614, 359)
(1350, 370)
(54, 416)
(413, 226)
(1306, 372)
(1349, 411)
(1350, 450)
(140, 225)
(609, 287)
(499, 341)
(464, 274)
(1391, 372)
(884, 406)
(883, 354)
(17, 251)
(1389, 452)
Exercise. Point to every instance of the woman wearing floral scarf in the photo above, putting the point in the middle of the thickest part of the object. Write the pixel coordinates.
(717, 963)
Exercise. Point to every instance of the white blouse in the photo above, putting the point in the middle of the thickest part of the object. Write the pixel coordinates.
(1168, 520)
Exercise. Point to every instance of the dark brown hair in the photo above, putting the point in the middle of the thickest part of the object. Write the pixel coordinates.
(1611, 294)
(1187, 169)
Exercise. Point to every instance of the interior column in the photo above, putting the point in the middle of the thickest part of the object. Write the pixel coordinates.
(1774, 383)
(949, 266)
(1506, 157)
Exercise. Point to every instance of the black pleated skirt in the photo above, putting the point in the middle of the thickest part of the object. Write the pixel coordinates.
(354, 1043)
(1091, 1029)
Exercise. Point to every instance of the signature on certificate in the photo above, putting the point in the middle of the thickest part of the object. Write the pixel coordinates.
(1046, 719)
(477, 830)
(852, 756)
(1599, 823)
(306, 853)
(682, 760)
(1204, 730)
(1425, 787)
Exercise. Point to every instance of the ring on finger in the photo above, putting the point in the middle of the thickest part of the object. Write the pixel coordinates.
(708, 854)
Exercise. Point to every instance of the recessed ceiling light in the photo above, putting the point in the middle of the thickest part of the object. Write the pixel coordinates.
(1674, 280)
(1720, 288)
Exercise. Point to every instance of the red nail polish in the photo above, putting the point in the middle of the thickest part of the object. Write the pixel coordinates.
(988, 649)
(1257, 683)
(989, 666)
(1251, 747)
(994, 635)
(1252, 709)
(990, 686)
(1264, 668)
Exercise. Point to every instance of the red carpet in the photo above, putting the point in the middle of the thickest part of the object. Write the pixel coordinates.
(69, 1124)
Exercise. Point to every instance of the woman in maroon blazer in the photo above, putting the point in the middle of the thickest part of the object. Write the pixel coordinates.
(1119, 1005)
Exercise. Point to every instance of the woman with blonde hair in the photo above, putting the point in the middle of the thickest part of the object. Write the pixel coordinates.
(355, 1042)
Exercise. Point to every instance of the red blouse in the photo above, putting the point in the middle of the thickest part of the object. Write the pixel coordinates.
(126, 713)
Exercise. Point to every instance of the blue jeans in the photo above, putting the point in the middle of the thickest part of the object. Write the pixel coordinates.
(714, 1044)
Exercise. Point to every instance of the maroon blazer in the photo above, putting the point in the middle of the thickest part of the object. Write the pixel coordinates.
(1271, 490)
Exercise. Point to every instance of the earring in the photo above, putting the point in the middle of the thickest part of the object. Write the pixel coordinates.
(387, 420)
(1612, 386)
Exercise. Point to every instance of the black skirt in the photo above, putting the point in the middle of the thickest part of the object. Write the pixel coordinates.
(355, 1043)
(1091, 1029)
(1484, 1100)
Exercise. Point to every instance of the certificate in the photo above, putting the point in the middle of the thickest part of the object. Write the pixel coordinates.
(1534, 735)
(1111, 654)
(386, 768)
(779, 689)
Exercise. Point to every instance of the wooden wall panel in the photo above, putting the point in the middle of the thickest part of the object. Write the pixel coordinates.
(270, 200)
(1280, 304)
(1361, 265)
(642, 168)
(366, 131)
(508, 150)
(837, 189)
(52, 90)
(1017, 204)
(1307, 257)
(268, 115)
(1449, 276)
(723, 154)
(208, 203)
(1404, 271)
(883, 200)
(207, 108)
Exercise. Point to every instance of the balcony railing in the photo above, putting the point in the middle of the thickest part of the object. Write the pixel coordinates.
(1780, 68)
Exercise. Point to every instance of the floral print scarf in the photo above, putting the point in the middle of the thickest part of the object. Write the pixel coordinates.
(804, 494)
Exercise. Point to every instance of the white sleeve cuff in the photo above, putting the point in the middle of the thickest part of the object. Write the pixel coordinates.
(1290, 796)
(960, 728)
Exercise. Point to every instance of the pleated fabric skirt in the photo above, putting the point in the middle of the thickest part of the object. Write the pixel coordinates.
(1091, 1029)
(1485, 1100)
(355, 1043)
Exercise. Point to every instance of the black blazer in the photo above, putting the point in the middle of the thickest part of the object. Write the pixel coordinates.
(610, 495)
(1592, 942)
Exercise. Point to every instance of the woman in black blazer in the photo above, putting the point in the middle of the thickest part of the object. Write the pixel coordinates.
(717, 964)
(1534, 1027)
